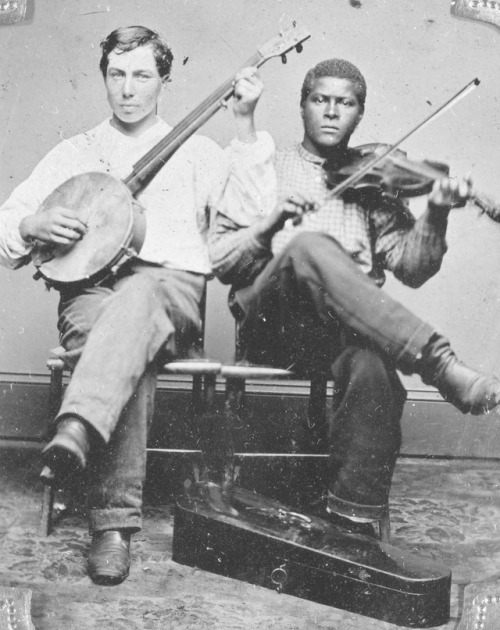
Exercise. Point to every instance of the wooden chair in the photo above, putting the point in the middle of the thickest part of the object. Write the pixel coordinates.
(203, 373)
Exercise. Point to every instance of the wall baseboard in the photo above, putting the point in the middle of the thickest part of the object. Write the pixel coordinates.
(431, 427)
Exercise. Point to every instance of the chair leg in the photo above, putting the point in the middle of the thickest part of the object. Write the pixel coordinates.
(55, 397)
(317, 413)
(45, 526)
(55, 387)
(385, 526)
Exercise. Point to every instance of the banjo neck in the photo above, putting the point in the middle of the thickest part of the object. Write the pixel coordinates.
(145, 169)
(116, 221)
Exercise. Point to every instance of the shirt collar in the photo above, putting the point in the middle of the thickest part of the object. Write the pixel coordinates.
(308, 156)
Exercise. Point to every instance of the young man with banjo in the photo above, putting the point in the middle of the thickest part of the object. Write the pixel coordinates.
(125, 305)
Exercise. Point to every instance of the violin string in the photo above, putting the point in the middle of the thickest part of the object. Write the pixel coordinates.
(355, 177)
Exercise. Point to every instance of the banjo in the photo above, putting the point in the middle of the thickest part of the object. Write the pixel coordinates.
(108, 206)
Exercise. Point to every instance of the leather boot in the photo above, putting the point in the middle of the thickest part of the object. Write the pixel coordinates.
(467, 389)
(109, 557)
(67, 451)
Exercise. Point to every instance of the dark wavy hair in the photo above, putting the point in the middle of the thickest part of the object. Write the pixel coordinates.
(337, 69)
(127, 38)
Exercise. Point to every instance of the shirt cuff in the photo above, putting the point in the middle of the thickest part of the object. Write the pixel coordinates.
(17, 245)
(253, 152)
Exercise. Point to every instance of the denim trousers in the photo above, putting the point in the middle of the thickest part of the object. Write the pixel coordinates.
(312, 309)
(114, 335)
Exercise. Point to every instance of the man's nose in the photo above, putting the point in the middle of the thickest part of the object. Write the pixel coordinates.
(332, 110)
(128, 86)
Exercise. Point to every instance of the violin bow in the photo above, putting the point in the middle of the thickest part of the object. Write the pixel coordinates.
(355, 177)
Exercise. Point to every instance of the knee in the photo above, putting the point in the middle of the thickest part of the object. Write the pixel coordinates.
(310, 244)
(311, 252)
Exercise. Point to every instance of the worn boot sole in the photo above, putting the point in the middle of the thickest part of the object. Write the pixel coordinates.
(62, 462)
(66, 453)
(468, 390)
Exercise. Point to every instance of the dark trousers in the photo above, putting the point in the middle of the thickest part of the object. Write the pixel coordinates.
(312, 309)
(114, 335)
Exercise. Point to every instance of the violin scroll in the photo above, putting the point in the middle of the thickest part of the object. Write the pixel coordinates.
(487, 206)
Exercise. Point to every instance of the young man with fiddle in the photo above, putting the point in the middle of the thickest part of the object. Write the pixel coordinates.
(306, 271)
(116, 331)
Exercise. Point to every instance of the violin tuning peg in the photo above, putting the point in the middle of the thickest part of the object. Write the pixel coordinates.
(283, 59)
(299, 48)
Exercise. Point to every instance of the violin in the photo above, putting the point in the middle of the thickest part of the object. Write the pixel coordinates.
(376, 169)
(364, 177)
(393, 175)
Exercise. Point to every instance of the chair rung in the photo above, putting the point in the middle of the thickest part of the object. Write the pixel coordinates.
(263, 455)
(192, 367)
(253, 371)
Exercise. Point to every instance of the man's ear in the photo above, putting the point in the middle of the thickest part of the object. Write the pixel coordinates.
(359, 118)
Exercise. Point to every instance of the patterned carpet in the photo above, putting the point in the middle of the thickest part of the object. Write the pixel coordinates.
(448, 511)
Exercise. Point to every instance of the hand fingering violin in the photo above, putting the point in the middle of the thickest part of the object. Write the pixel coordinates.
(376, 169)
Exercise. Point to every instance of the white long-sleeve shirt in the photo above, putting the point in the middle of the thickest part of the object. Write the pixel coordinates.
(177, 202)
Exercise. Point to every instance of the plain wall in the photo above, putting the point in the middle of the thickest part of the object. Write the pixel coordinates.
(414, 55)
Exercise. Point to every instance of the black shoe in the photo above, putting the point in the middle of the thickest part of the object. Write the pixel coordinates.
(67, 452)
(351, 527)
(109, 557)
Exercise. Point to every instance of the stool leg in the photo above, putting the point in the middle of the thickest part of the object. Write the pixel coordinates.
(217, 453)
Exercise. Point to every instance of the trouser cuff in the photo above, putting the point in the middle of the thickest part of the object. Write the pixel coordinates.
(117, 518)
(368, 513)
(408, 359)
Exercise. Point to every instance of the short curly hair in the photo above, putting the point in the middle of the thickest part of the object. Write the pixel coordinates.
(127, 38)
(338, 69)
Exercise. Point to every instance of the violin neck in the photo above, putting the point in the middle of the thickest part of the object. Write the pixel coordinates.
(145, 169)
(485, 204)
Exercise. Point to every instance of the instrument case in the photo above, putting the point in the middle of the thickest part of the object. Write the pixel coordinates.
(267, 544)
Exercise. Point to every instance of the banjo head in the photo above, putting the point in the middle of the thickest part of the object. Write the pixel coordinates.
(115, 226)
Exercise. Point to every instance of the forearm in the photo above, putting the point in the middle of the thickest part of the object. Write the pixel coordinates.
(15, 248)
(245, 128)
(236, 253)
(419, 254)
